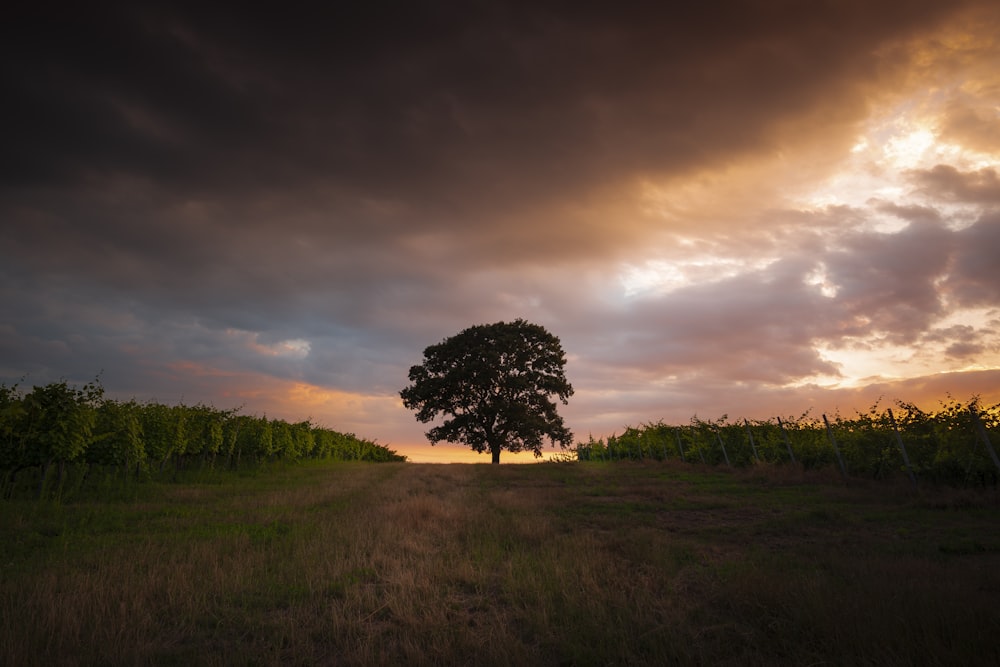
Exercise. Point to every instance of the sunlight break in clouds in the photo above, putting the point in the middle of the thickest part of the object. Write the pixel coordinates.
(870, 198)
(820, 279)
(295, 348)
(282, 209)
(659, 276)
(908, 144)
(878, 163)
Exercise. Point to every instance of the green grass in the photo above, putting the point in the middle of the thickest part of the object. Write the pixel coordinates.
(553, 564)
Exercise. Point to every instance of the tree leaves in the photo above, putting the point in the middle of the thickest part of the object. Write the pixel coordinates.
(495, 382)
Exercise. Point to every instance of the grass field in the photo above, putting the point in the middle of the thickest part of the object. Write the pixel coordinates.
(551, 564)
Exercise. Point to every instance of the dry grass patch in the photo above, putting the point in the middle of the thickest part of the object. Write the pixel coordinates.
(473, 564)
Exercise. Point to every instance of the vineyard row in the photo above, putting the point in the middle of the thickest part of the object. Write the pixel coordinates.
(58, 424)
(954, 445)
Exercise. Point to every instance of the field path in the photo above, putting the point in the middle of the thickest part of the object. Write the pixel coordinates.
(565, 564)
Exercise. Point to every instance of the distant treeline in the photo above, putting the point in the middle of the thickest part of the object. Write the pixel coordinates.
(52, 427)
(954, 445)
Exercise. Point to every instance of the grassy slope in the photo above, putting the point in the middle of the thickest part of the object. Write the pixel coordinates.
(548, 564)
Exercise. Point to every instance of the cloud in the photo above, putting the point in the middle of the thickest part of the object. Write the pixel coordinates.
(947, 183)
(888, 280)
(975, 277)
(519, 99)
(286, 208)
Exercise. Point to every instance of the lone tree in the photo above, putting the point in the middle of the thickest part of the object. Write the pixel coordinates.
(494, 381)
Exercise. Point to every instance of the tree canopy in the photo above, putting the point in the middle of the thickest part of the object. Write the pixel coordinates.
(494, 381)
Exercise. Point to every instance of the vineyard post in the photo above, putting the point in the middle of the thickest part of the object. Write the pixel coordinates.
(718, 437)
(836, 450)
(752, 445)
(902, 448)
(984, 435)
(788, 441)
(680, 448)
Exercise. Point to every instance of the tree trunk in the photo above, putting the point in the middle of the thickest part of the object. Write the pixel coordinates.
(496, 455)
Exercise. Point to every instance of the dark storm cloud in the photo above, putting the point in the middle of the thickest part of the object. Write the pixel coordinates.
(187, 148)
(436, 103)
(194, 197)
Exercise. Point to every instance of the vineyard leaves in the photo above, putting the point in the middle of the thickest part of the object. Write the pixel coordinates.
(57, 424)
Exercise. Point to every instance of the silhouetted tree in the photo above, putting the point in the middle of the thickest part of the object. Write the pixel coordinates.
(495, 382)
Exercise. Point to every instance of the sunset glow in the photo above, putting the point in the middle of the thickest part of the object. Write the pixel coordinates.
(781, 212)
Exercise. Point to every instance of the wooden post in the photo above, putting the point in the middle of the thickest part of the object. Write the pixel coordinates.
(680, 448)
(902, 448)
(836, 450)
(718, 436)
(788, 441)
(752, 445)
(985, 436)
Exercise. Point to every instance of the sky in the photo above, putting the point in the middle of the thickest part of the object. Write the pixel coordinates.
(755, 208)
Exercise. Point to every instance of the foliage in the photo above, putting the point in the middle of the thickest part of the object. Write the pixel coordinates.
(77, 431)
(494, 382)
(941, 447)
(121, 441)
